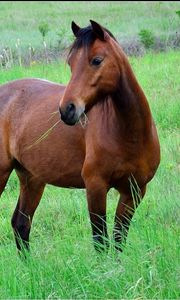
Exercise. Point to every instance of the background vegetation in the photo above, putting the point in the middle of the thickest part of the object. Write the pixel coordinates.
(63, 263)
(22, 24)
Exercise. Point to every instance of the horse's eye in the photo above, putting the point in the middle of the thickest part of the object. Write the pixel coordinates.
(96, 61)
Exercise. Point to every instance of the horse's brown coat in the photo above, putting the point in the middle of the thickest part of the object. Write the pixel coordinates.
(118, 143)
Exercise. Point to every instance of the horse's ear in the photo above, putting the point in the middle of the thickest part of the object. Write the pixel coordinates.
(99, 31)
(75, 28)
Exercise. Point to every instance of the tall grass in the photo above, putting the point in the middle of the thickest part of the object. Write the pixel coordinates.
(63, 263)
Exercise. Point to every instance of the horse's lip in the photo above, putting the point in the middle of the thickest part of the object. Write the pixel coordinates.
(72, 119)
(69, 122)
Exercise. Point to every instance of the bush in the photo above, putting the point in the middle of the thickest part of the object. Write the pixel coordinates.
(43, 28)
(147, 38)
(178, 12)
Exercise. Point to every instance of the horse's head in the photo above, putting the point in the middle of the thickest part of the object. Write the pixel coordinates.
(95, 71)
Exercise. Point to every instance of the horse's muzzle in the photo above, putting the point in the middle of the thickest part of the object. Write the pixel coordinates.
(70, 115)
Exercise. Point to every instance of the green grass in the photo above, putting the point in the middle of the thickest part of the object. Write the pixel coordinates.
(20, 19)
(58, 72)
(63, 263)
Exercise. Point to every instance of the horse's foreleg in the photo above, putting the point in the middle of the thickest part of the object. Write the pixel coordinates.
(96, 196)
(124, 213)
(30, 194)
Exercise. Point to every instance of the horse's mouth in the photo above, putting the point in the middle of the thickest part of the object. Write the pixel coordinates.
(72, 114)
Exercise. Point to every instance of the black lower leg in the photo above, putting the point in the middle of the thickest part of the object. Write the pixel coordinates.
(120, 232)
(22, 240)
(100, 235)
(21, 225)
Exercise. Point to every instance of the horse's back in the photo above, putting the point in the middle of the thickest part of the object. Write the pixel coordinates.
(29, 110)
(25, 92)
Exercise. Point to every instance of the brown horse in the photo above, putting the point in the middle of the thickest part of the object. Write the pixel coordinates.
(118, 146)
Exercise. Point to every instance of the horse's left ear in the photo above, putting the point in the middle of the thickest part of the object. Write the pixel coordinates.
(99, 31)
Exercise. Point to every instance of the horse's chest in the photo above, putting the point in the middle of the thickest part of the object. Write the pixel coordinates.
(118, 164)
(110, 158)
(126, 171)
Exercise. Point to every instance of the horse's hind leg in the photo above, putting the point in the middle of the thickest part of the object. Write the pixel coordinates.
(124, 213)
(5, 171)
(30, 194)
(6, 167)
(3, 180)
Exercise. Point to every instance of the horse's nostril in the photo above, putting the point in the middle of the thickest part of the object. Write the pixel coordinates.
(70, 111)
(68, 114)
(70, 108)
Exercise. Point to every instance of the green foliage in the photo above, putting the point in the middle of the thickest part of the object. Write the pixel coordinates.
(43, 28)
(59, 14)
(61, 36)
(178, 12)
(147, 38)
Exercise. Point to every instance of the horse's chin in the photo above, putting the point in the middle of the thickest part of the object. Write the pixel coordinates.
(82, 120)
(70, 123)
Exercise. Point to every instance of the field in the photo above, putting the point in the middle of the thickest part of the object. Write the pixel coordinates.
(20, 20)
(124, 18)
(63, 263)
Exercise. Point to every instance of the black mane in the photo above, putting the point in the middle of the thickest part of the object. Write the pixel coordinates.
(86, 38)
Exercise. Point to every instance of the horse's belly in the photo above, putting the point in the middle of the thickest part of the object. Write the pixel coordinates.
(54, 160)
(58, 170)
(68, 181)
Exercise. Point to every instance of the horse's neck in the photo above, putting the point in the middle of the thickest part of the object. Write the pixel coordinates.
(131, 105)
(123, 115)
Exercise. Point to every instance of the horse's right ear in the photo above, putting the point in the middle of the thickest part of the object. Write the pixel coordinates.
(75, 28)
(99, 31)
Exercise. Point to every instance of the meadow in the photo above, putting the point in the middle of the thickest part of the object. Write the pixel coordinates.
(63, 263)
(20, 20)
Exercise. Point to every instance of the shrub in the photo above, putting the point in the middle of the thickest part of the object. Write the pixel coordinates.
(43, 28)
(178, 12)
(147, 38)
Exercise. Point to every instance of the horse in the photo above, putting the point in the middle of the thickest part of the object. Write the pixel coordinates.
(111, 140)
